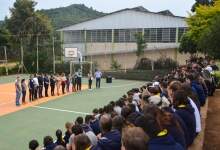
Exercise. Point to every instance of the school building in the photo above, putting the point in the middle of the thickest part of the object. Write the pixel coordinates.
(113, 36)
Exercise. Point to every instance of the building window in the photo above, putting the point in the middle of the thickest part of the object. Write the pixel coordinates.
(181, 31)
(147, 35)
(74, 36)
(125, 35)
(153, 35)
(165, 35)
(172, 35)
(95, 36)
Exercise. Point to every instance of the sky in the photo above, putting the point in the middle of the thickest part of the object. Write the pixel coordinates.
(178, 7)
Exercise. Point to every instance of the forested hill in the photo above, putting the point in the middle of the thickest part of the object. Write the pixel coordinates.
(65, 16)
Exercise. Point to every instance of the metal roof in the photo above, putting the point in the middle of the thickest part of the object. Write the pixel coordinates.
(137, 9)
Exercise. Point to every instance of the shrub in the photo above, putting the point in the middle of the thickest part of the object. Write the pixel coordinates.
(145, 64)
(115, 65)
(165, 63)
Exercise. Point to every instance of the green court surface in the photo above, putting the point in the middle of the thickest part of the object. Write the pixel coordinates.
(17, 129)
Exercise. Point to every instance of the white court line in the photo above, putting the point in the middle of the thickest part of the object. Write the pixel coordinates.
(62, 110)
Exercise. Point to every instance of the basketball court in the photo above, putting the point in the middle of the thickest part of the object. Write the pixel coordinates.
(18, 125)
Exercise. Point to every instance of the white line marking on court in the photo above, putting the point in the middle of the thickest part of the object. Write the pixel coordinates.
(62, 110)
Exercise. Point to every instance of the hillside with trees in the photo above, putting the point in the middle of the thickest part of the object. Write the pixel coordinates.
(65, 16)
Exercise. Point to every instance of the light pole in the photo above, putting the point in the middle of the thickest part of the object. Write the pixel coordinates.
(6, 60)
(37, 55)
(54, 67)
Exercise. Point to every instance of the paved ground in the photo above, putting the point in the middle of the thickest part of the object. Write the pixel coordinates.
(212, 132)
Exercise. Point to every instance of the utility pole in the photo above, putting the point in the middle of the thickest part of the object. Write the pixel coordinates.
(6, 60)
(54, 67)
(22, 57)
(37, 55)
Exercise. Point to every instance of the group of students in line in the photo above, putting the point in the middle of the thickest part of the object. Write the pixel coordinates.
(38, 83)
(162, 115)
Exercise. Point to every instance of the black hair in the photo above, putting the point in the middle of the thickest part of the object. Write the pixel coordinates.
(132, 107)
(77, 129)
(79, 120)
(48, 140)
(59, 134)
(22, 80)
(88, 118)
(95, 111)
(33, 144)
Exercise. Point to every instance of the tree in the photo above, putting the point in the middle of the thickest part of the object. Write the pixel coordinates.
(21, 10)
(210, 39)
(4, 37)
(201, 2)
(141, 45)
(187, 45)
(29, 25)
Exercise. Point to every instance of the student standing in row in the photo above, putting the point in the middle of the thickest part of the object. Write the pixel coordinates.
(74, 81)
(18, 91)
(31, 88)
(63, 82)
(52, 84)
(90, 78)
(68, 83)
(46, 84)
(58, 84)
(41, 84)
(23, 88)
(36, 85)
(79, 80)
(98, 76)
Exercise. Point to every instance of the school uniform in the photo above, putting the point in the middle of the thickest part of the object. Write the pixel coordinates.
(68, 84)
(165, 142)
(177, 135)
(197, 88)
(46, 85)
(109, 141)
(186, 113)
(95, 126)
(31, 89)
(79, 81)
(41, 83)
(90, 78)
(74, 82)
(23, 90)
(36, 85)
(52, 85)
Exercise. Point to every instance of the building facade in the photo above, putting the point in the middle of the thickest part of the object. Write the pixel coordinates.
(113, 36)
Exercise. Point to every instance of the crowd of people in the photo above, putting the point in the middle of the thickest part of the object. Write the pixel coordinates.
(161, 115)
(39, 84)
